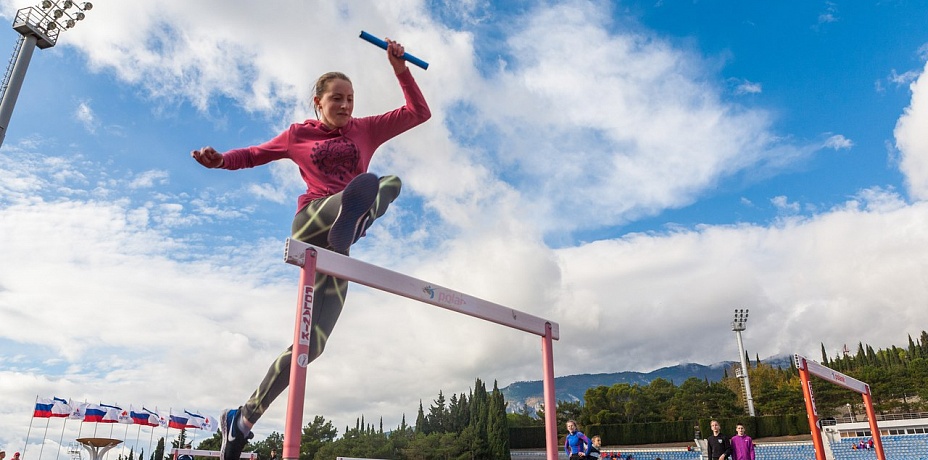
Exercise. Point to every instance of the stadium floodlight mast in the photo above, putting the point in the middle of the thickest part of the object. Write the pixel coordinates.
(741, 317)
(40, 26)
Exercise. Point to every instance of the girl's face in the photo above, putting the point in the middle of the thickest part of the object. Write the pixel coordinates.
(571, 427)
(336, 104)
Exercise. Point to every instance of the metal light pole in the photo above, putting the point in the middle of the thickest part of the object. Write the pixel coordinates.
(741, 317)
(39, 26)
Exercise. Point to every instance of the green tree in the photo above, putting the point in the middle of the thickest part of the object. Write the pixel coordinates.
(214, 442)
(478, 409)
(315, 435)
(422, 424)
(497, 425)
(658, 394)
(459, 413)
(437, 419)
(273, 441)
(159, 450)
(567, 410)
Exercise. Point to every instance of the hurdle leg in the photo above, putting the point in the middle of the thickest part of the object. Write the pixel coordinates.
(874, 429)
(547, 351)
(300, 358)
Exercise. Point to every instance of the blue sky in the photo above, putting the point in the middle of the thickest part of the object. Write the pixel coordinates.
(631, 170)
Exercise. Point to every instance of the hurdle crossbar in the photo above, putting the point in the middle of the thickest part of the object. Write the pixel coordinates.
(344, 267)
(313, 259)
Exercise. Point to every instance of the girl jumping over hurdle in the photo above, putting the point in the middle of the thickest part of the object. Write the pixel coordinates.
(341, 201)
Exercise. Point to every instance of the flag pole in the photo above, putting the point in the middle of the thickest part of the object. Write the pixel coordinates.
(168, 429)
(150, 438)
(96, 424)
(138, 435)
(61, 438)
(81, 426)
(44, 437)
(126, 436)
(30, 424)
(167, 426)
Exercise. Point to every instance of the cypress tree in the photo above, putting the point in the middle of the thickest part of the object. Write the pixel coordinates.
(421, 424)
(497, 425)
(478, 411)
(438, 415)
(861, 358)
(159, 450)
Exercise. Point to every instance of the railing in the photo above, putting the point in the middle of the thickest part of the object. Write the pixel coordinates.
(879, 418)
(9, 66)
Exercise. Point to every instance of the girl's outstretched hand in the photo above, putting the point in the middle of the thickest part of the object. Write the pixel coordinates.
(208, 156)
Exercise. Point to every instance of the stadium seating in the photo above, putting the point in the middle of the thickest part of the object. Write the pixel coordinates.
(896, 447)
(785, 451)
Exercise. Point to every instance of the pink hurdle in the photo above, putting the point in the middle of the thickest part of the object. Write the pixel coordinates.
(313, 259)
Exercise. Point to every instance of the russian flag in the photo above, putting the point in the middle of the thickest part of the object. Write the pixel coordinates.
(94, 413)
(138, 418)
(43, 408)
(178, 422)
(142, 417)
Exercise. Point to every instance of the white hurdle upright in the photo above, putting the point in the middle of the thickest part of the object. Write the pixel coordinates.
(313, 259)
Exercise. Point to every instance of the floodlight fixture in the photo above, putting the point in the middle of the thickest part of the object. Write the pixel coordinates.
(741, 317)
(738, 325)
(39, 26)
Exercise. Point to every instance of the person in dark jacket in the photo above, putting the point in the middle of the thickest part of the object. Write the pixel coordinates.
(719, 446)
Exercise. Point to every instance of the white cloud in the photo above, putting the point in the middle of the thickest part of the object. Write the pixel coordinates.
(830, 13)
(782, 203)
(85, 115)
(912, 140)
(149, 179)
(748, 87)
(904, 78)
(630, 104)
(838, 142)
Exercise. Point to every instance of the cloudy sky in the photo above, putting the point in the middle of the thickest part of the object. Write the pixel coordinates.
(633, 170)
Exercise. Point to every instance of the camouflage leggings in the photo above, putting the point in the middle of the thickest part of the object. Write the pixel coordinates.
(311, 225)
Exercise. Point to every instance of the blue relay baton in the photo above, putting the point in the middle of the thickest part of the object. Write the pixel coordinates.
(406, 56)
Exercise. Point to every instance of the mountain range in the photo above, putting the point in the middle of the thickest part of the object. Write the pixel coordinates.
(530, 394)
